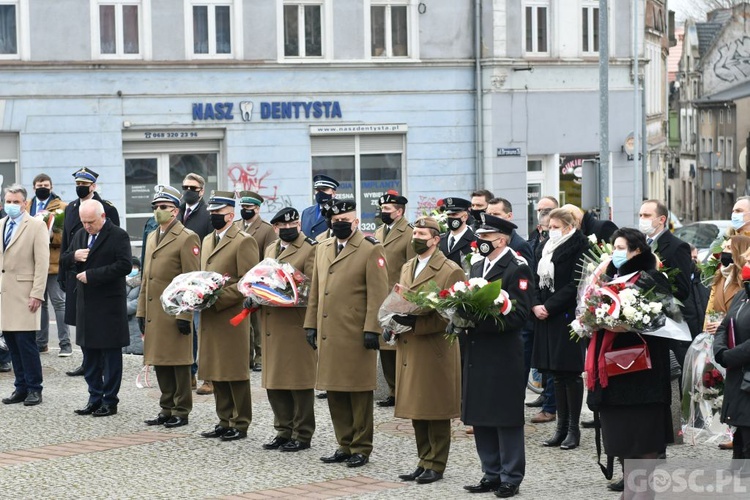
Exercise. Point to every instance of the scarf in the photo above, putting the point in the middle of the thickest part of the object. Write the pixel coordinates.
(546, 268)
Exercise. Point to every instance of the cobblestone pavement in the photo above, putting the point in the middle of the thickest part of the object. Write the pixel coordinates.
(48, 452)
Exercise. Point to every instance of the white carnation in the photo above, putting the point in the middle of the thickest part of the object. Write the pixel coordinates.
(460, 286)
(592, 239)
(646, 319)
(432, 297)
(477, 283)
(656, 307)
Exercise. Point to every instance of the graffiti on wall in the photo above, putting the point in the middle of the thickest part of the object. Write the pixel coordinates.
(733, 64)
(248, 177)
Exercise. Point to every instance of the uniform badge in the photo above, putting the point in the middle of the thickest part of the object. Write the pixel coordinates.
(381, 262)
(196, 251)
(523, 284)
(484, 248)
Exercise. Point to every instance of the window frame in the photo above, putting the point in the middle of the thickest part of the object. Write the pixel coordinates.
(144, 30)
(326, 31)
(23, 31)
(412, 28)
(235, 23)
(536, 5)
(592, 16)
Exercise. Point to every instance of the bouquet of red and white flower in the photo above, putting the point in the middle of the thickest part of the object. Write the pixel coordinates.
(702, 382)
(54, 220)
(194, 291)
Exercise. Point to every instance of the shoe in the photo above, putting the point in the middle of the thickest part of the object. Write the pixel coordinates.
(275, 443)
(429, 476)
(507, 490)
(722, 446)
(337, 457)
(617, 486)
(78, 372)
(105, 411)
(43, 349)
(562, 416)
(588, 424)
(387, 402)
(574, 393)
(175, 422)
(33, 398)
(543, 417)
(159, 420)
(218, 431)
(295, 445)
(414, 475)
(5, 367)
(538, 402)
(257, 367)
(88, 409)
(65, 351)
(15, 397)
(193, 382)
(357, 460)
(206, 388)
(233, 434)
(322, 395)
(483, 487)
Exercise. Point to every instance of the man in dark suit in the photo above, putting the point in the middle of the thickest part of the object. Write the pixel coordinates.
(479, 201)
(313, 217)
(456, 243)
(495, 352)
(85, 180)
(500, 207)
(100, 259)
(544, 206)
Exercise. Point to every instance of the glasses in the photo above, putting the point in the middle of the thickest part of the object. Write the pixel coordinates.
(163, 207)
(191, 188)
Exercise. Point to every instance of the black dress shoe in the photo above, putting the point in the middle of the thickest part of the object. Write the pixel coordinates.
(429, 476)
(33, 398)
(618, 486)
(159, 420)
(295, 445)
(233, 434)
(389, 401)
(88, 409)
(507, 490)
(538, 402)
(78, 372)
(257, 367)
(337, 457)
(218, 431)
(588, 424)
(5, 367)
(413, 475)
(15, 397)
(105, 411)
(357, 460)
(175, 422)
(275, 443)
(322, 395)
(483, 487)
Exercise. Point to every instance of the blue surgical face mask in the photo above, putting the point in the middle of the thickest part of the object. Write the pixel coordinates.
(133, 273)
(738, 219)
(619, 257)
(12, 210)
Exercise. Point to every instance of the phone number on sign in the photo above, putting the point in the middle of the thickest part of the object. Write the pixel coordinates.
(170, 135)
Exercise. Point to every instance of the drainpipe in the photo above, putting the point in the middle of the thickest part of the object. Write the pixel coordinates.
(479, 105)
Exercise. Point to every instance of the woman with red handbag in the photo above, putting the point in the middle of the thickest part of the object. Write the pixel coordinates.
(628, 374)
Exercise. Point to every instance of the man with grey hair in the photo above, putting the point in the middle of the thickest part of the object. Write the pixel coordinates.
(25, 255)
(741, 216)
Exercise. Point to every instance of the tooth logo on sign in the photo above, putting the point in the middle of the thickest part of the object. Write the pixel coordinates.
(246, 111)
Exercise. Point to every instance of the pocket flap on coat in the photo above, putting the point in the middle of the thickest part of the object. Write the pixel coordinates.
(24, 277)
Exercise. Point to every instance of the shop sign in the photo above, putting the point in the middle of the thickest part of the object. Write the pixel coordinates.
(273, 110)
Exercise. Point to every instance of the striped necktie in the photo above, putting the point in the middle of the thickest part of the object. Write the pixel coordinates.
(93, 240)
(9, 232)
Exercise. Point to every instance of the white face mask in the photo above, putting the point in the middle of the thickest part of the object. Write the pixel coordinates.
(645, 226)
(555, 235)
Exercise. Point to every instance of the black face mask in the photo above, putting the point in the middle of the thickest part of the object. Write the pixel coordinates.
(247, 214)
(485, 247)
(386, 218)
(477, 214)
(342, 229)
(288, 234)
(544, 234)
(42, 193)
(726, 259)
(218, 221)
(454, 223)
(420, 246)
(191, 197)
(321, 197)
(82, 191)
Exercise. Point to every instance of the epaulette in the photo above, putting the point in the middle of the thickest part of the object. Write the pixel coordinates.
(372, 240)
(311, 241)
(410, 224)
(109, 203)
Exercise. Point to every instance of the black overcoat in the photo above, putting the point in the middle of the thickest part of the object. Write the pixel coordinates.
(735, 409)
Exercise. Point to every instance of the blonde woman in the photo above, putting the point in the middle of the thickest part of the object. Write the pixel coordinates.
(727, 281)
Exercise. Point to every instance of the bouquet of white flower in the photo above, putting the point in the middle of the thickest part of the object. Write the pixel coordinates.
(194, 291)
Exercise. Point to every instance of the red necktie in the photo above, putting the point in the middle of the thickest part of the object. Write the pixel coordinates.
(188, 211)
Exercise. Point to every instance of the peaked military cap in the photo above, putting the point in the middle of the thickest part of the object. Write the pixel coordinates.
(494, 224)
(324, 182)
(456, 204)
(220, 199)
(85, 174)
(250, 198)
(168, 194)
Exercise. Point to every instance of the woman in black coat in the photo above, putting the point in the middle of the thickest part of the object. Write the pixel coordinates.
(634, 408)
(558, 274)
(735, 409)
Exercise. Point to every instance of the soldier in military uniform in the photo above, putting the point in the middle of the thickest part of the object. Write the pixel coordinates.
(395, 235)
(223, 350)
(171, 249)
(263, 233)
(494, 351)
(85, 180)
(289, 372)
(456, 243)
(428, 378)
(349, 283)
(313, 218)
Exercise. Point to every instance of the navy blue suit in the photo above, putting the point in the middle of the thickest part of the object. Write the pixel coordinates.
(313, 222)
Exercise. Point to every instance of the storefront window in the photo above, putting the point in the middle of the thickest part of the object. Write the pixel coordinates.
(571, 177)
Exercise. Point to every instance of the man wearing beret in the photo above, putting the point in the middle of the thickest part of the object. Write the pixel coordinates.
(349, 283)
(171, 249)
(223, 350)
(313, 218)
(289, 372)
(456, 243)
(494, 351)
(428, 378)
(263, 233)
(395, 235)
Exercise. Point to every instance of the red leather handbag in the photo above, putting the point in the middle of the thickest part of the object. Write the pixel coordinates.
(628, 359)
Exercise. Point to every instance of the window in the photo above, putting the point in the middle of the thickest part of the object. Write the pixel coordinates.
(304, 29)
(729, 115)
(14, 29)
(720, 153)
(213, 28)
(389, 28)
(119, 28)
(8, 158)
(590, 29)
(729, 157)
(721, 116)
(536, 27)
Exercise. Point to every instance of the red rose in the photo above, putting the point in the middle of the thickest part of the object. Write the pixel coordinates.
(444, 293)
(473, 245)
(707, 379)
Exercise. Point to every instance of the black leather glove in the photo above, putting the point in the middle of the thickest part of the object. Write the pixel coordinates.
(248, 304)
(468, 315)
(142, 325)
(406, 320)
(371, 341)
(183, 326)
(387, 335)
(312, 337)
